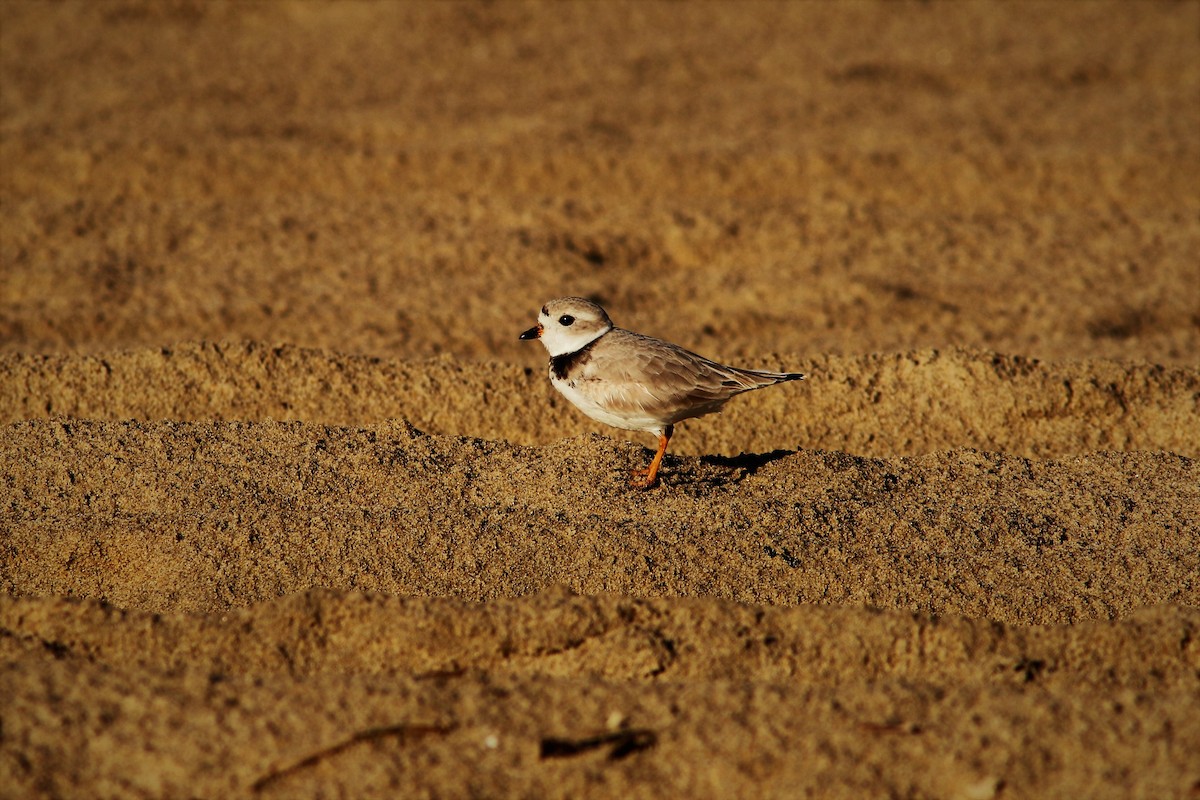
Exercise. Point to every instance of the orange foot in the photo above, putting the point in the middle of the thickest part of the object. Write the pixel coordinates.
(650, 473)
(641, 478)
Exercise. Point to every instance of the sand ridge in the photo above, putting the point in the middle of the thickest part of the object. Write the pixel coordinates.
(875, 405)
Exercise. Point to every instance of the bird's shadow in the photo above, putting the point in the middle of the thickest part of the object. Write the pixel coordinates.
(742, 466)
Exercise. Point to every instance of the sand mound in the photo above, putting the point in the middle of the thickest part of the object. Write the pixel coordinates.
(205, 516)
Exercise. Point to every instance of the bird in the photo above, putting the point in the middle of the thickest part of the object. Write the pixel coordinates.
(632, 381)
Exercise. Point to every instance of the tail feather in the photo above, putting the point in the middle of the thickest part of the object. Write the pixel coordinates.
(777, 377)
(749, 379)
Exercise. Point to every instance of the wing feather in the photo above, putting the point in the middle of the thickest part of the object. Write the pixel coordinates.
(644, 375)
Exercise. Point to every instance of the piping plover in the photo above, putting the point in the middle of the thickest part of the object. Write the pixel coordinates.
(631, 381)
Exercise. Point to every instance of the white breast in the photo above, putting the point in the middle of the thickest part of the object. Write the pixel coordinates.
(593, 404)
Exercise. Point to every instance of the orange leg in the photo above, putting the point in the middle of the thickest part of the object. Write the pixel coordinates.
(651, 472)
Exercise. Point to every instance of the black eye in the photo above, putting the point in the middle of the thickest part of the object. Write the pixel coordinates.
(566, 319)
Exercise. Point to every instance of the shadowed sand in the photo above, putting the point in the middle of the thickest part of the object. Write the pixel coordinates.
(287, 510)
(555, 694)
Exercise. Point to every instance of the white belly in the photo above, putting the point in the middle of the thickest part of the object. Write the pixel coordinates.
(619, 417)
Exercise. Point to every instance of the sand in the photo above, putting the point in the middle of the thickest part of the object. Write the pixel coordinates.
(287, 510)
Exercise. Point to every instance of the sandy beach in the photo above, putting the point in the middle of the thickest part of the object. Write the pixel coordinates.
(287, 510)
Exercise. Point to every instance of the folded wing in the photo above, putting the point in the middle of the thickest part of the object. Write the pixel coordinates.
(643, 375)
